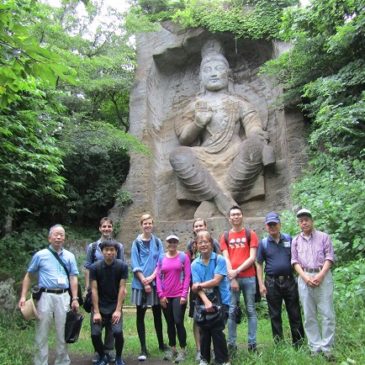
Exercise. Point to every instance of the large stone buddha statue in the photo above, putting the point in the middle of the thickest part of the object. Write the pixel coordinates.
(223, 144)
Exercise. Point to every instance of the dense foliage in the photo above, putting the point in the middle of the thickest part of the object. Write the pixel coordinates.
(255, 19)
(60, 75)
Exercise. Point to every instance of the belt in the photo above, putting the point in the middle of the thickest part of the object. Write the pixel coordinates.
(54, 291)
(318, 269)
(280, 277)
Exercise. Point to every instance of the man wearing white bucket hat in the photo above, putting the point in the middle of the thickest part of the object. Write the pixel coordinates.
(55, 299)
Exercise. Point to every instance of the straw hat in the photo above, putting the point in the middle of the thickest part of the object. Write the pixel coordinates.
(29, 311)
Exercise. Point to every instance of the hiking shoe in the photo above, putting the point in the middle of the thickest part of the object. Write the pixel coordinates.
(142, 356)
(329, 356)
(181, 356)
(119, 361)
(103, 360)
(111, 355)
(96, 358)
(169, 354)
(198, 357)
(252, 347)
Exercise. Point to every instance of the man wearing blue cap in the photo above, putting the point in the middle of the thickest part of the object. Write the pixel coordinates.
(279, 284)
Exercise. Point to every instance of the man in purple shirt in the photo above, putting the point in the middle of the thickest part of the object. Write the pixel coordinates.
(312, 258)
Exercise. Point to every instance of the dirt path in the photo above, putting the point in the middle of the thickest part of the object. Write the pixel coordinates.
(77, 359)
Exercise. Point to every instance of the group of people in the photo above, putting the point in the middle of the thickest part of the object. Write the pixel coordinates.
(207, 274)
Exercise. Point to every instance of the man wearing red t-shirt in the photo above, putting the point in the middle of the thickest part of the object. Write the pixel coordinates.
(240, 256)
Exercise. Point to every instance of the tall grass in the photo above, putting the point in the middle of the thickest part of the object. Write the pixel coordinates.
(16, 337)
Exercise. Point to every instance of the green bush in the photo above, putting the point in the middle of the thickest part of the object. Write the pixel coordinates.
(335, 192)
(350, 288)
(18, 249)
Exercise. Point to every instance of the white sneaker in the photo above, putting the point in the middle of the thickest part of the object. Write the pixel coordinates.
(203, 362)
(142, 357)
(198, 357)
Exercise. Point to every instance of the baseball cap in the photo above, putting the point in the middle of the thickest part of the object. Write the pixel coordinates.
(272, 217)
(172, 236)
(304, 212)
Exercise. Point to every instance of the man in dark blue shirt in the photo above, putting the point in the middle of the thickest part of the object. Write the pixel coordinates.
(279, 284)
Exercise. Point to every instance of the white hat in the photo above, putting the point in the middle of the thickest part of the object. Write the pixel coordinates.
(172, 237)
(304, 211)
(29, 311)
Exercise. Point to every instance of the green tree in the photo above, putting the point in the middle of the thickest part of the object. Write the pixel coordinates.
(96, 119)
(28, 150)
(59, 77)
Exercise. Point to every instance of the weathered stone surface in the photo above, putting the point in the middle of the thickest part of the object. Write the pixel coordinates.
(167, 78)
(7, 296)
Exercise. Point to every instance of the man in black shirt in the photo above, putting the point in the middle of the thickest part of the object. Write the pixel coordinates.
(279, 284)
(93, 254)
(108, 279)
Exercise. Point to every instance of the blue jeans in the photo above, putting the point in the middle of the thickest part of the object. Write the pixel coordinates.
(248, 288)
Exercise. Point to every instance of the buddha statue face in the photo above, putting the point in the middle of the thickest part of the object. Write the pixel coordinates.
(214, 73)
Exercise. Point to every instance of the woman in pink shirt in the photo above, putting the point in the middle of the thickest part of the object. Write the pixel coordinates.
(172, 280)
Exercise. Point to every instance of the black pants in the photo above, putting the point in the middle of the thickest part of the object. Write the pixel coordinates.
(217, 336)
(141, 329)
(115, 329)
(174, 315)
(279, 290)
(108, 338)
